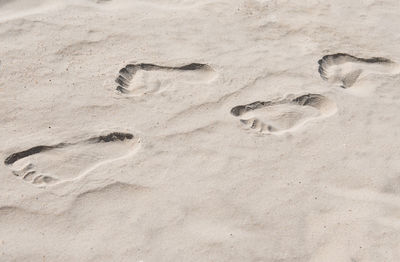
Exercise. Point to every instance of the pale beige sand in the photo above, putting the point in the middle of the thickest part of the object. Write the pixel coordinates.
(230, 147)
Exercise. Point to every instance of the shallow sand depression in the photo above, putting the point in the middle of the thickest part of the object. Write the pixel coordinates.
(215, 130)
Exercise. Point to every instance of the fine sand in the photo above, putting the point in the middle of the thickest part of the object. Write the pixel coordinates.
(188, 130)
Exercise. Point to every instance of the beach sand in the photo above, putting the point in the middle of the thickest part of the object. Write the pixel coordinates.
(184, 130)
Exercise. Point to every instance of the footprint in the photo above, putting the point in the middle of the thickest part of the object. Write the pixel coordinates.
(346, 69)
(141, 79)
(282, 115)
(52, 164)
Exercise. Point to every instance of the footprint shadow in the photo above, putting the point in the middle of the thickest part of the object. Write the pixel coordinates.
(142, 79)
(284, 114)
(53, 164)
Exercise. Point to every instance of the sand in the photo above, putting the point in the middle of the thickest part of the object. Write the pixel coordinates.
(215, 130)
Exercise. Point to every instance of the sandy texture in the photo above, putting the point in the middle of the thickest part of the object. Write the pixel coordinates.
(185, 130)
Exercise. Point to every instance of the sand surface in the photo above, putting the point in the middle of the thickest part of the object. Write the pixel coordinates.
(186, 130)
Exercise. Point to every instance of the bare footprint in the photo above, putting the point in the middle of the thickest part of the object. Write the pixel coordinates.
(52, 164)
(282, 115)
(141, 79)
(346, 69)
